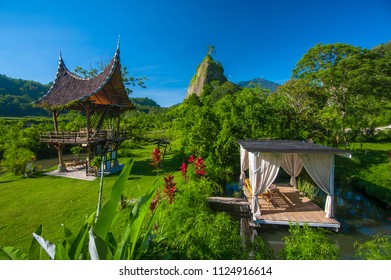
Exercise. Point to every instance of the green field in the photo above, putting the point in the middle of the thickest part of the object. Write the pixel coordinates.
(25, 203)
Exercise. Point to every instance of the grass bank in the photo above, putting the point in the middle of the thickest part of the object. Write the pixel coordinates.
(369, 169)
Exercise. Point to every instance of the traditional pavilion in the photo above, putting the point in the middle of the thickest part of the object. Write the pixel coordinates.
(101, 99)
(282, 205)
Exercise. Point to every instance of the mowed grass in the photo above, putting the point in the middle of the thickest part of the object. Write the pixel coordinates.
(25, 203)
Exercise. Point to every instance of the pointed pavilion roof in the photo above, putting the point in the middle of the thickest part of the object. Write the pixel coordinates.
(69, 91)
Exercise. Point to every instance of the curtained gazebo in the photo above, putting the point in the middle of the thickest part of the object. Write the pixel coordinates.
(264, 158)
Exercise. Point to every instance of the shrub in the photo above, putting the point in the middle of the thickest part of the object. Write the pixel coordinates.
(379, 248)
(306, 243)
(16, 159)
(191, 231)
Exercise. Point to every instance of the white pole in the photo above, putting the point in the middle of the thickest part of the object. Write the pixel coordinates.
(332, 185)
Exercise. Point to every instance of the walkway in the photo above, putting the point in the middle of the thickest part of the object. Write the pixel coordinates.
(80, 174)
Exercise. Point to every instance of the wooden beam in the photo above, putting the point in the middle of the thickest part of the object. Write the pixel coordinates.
(335, 226)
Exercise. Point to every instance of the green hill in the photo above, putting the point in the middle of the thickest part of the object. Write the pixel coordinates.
(17, 97)
(145, 104)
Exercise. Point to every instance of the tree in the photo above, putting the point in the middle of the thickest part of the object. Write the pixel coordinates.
(304, 100)
(128, 80)
(342, 72)
(211, 50)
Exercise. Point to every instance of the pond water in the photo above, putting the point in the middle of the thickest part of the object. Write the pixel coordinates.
(360, 216)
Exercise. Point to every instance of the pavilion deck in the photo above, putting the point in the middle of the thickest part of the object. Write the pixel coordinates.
(81, 137)
(285, 205)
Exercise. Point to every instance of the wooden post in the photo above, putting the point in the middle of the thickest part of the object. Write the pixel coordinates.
(332, 166)
(61, 165)
(118, 124)
(88, 119)
(88, 128)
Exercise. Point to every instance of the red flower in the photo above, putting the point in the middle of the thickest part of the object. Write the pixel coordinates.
(191, 159)
(153, 204)
(184, 168)
(200, 172)
(155, 201)
(156, 156)
(170, 188)
(200, 167)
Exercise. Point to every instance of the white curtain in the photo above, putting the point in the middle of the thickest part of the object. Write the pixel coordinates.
(263, 171)
(319, 168)
(293, 166)
(243, 164)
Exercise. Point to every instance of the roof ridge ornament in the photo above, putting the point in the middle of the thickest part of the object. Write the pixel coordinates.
(118, 45)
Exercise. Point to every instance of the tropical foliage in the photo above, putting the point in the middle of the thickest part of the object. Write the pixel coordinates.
(305, 243)
(378, 248)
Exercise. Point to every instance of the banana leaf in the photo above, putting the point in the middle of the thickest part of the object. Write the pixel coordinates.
(143, 208)
(61, 253)
(49, 247)
(35, 248)
(105, 218)
(11, 253)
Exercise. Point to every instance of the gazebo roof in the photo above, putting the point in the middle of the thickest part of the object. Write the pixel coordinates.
(289, 146)
(70, 91)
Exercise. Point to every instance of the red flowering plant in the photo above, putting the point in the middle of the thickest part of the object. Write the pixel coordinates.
(156, 159)
(169, 188)
(199, 167)
(191, 159)
(155, 201)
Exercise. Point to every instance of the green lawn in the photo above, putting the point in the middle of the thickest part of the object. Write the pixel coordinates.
(25, 203)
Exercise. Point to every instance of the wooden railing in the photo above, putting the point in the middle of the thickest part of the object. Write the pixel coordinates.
(80, 137)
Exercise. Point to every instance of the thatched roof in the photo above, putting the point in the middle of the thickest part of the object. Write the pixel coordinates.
(289, 146)
(70, 91)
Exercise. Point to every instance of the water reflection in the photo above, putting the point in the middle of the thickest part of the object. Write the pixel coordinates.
(361, 214)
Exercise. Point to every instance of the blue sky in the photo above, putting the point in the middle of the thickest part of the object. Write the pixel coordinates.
(166, 40)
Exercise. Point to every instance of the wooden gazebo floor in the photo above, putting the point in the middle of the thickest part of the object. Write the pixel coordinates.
(288, 206)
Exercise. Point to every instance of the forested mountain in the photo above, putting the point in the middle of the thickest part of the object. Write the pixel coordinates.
(144, 104)
(265, 84)
(17, 97)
